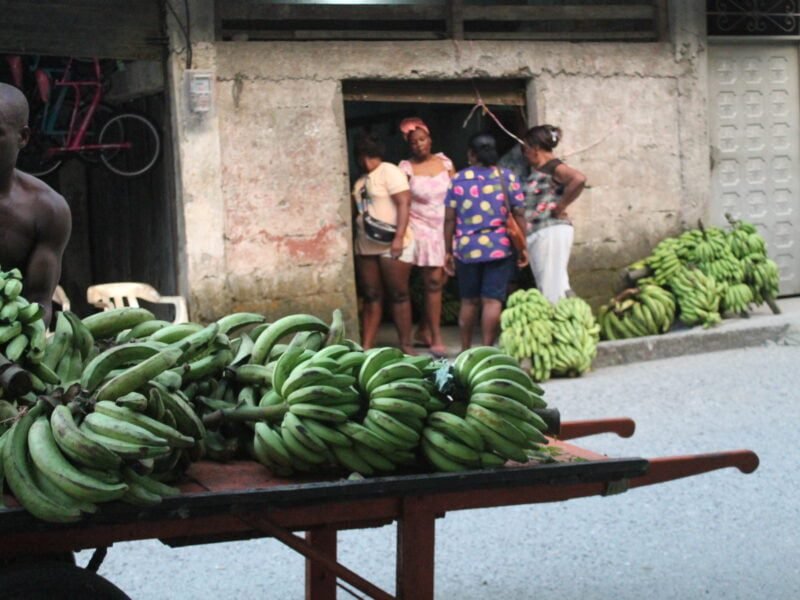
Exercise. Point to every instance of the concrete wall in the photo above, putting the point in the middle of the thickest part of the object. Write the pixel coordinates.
(265, 181)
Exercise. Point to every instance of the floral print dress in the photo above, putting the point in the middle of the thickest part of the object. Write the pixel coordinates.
(476, 194)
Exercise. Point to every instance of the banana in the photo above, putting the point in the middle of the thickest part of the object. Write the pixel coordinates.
(281, 328)
(457, 428)
(237, 322)
(502, 404)
(121, 430)
(490, 460)
(104, 363)
(16, 347)
(510, 389)
(497, 442)
(336, 330)
(393, 372)
(364, 436)
(498, 423)
(174, 332)
(297, 449)
(9, 332)
(321, 395)
(351, 362)
(390, 439)
(393, 426)
(488, 362)
(249, 374)
(195, 344)
(302, 433)
(327, 434)
(466, 361)
(109, 323)
(151, 485)
(174, 437)
(408, 390)
(398, 406)
(511, 373)
(305, 376)
(320, 413)
(532, 433)
(138, 495)
(333, 352)
(452, 448)
(261, 453)
(77, 446)
(45, 373)
(273, 445)
(352, 460)
(208, 365)
(375, 459)
(59, 343)
(59, 496)
(18, 471)
(376, 359)
(285, 365)
(138, 375)
(440, 461)
(47, 457)
(175, 402)
(143, 330)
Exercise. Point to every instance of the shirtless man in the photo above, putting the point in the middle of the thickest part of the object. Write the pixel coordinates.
(35, 221)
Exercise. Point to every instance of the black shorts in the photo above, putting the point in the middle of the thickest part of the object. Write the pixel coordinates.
(485, 279)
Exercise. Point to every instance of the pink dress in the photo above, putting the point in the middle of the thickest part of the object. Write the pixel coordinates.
(426, 217)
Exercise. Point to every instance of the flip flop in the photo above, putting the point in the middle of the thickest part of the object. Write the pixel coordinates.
(438, 351)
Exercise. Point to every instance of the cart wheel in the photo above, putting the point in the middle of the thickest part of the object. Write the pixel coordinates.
(54, 580)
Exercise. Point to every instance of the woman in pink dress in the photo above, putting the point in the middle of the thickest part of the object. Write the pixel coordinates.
(429, 177)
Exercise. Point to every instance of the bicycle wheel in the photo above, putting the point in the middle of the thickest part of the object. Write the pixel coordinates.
(33, 158)
(101, 116)
(144, 140)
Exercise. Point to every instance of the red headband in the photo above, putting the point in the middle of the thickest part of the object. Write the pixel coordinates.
(411, 124)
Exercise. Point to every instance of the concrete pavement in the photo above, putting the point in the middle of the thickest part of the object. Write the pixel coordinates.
(760, 328)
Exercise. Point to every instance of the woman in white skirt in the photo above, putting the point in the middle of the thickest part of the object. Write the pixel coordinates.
(551, 188)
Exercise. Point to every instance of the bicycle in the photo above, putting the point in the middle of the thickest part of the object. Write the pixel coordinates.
(63, 124)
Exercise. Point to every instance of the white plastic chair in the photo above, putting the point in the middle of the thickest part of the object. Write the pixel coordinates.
(60, 298)
(128, 293)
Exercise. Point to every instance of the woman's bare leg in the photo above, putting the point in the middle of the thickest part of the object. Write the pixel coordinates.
(467, 316)
(490, 320)
(396, 274)
(433, 280)
(371, 289)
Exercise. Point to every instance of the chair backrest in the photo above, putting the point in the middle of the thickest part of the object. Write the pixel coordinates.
(128, 293)
(60, 297)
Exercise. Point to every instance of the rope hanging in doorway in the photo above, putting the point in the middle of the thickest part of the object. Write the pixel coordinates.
(480, 104)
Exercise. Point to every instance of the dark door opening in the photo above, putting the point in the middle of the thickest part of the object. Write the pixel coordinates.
(447, 109)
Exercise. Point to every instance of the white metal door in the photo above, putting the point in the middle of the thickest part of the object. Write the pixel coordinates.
(754, 124)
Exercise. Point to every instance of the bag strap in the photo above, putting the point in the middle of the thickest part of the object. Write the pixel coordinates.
(505, 192)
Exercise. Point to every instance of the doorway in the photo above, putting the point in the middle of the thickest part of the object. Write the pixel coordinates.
(448, 109)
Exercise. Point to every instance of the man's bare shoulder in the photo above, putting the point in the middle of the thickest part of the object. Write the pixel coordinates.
(38, 191)
(51, 211)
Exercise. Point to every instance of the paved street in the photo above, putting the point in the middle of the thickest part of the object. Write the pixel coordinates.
(717, 536)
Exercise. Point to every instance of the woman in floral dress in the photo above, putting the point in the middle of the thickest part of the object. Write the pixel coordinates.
(478, 248)
(429, 178)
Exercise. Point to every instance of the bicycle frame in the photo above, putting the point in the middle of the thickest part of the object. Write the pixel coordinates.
(75, 137)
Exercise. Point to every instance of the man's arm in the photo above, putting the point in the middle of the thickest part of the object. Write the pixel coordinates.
(53, 227)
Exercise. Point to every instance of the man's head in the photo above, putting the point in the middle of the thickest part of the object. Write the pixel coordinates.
(14, 130)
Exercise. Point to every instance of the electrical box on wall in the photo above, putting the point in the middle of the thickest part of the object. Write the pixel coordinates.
(199, 87)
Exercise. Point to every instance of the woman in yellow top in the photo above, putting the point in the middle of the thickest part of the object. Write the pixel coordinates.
(383, 191)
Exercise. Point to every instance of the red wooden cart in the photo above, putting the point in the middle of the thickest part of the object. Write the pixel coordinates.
(224, 502)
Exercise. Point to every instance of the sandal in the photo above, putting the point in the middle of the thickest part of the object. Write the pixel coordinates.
(438, 351)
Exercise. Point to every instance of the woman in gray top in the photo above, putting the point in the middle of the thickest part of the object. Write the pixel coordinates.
(550, 189)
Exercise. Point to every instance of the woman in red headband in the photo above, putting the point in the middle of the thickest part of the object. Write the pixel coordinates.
(429, 177)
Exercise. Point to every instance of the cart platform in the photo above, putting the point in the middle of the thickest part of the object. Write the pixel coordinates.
(241, 500)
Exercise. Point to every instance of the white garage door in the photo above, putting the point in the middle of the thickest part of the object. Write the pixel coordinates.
(754, 126)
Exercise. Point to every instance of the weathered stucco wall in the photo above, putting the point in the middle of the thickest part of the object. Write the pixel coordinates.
(634, 122)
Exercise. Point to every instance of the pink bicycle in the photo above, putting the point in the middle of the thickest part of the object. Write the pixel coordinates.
(68, 123)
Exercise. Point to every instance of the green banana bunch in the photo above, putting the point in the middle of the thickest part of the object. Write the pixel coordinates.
(665, 261)
(22, 330)
(575, 337)
(646, 310)
(736, 298)
(698, 297)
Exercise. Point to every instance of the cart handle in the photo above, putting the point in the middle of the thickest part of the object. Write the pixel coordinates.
(622, 426)
(668, 468)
